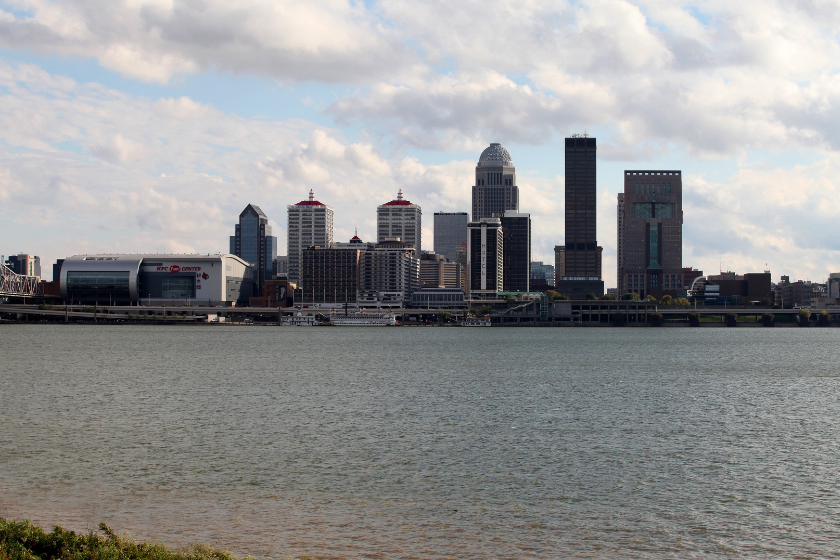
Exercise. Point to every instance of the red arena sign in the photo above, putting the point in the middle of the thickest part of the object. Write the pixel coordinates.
(175, 268)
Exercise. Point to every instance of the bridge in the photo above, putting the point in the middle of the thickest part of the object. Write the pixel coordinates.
(17, 285)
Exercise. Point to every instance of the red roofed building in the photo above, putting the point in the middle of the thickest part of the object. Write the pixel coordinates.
(399, 218)
(310, 224)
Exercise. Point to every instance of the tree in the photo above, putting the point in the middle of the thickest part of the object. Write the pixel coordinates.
(552, 294)
(767, 319)
(562, 297)
(445, 316)
(666, 300)
(694, 319)
(650, 298)
(680, 301)
(731, 319)
(591, 296)
(804, 317)
(484, 310)
(631, 296)
(509, 298)
(765, 301)
(655, 319)
(823, 318)
(607, 297)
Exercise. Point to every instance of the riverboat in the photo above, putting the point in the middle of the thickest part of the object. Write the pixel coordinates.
(300, 320)
(363, 319)
(472, 321)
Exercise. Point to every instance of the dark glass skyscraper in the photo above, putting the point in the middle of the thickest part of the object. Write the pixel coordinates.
(582, 256)
(450, 233)
(253, 242)
(581, 192)
(516, 232)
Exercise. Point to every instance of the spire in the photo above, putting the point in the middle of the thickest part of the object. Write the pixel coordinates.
(311, 195)
(399, 195)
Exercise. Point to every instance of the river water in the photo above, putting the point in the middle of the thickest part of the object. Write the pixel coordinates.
(428, 442)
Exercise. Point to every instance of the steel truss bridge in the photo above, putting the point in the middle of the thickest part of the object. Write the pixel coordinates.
(13, 284)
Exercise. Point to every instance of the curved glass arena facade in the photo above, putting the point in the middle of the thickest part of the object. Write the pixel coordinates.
(129, 279)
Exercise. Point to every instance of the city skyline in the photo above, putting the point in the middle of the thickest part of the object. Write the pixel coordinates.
(144, 129)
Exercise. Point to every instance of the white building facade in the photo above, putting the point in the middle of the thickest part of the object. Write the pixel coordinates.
(310, 224)
(399, 219)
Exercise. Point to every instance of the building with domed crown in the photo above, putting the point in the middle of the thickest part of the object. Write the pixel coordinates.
(495, 191)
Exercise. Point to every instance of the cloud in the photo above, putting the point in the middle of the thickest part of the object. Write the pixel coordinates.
(292, 40)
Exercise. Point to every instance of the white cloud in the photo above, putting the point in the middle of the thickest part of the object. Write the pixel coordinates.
(330, 40)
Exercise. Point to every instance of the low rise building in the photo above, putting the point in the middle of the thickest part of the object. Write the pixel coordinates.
(157, 279)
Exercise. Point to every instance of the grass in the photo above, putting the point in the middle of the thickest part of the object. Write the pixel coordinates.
(21, 540)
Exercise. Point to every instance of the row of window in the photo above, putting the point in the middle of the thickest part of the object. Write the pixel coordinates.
(654, 188)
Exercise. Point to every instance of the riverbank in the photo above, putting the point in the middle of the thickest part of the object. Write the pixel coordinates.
(21, 540)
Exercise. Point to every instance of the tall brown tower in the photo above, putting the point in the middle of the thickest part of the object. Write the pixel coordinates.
(650, 220)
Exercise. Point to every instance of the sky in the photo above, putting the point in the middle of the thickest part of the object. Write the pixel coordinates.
(134, 126)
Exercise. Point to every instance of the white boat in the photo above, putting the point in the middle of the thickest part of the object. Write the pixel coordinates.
(300, 320)
(363, 319)
(472, 321)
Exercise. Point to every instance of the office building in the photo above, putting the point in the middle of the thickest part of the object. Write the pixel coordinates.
(582, 255)
(157, 279)
(650, 237)
(253, 242)
(25, 265)
(329, 276)
(516, 232)
(399, 219)
(495, 191)
(310, 224)
(437, 272)
(57, 269)
(281, 268)
(581, 231)
(450, 233)
(542, 271)
(485, 257)
(559, 263)
(388, 273)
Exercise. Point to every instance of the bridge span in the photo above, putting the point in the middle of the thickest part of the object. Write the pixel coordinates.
(17, 285)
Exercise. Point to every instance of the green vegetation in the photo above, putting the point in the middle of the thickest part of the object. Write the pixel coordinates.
(655, 319)
(607, 297)
(767, 319)
(445, 316)
(591, 296)
(731, 319)
(509, 298)
(20, 540)
(632, 296)
(650, 298)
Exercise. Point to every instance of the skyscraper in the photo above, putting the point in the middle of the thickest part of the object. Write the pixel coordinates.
(450, 233)
(582, 255)
(310, 224)
(399, 218)
(485, 257)
(495, 191)
(516, 231)
(252, 242)
(650, 241)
